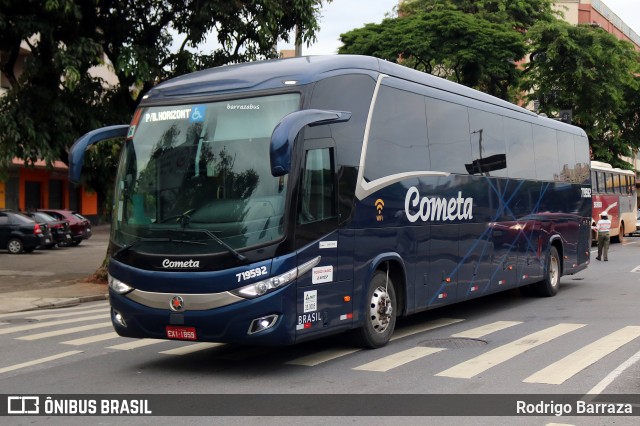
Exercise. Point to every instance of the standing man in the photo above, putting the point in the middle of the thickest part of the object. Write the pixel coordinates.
(602, 227)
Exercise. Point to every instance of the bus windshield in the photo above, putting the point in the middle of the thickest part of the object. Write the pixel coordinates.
(196, 179)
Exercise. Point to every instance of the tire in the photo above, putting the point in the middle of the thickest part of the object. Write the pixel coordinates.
(548, 287)
(75, 243)
(380, 313)
(620, 237)
(15, 246)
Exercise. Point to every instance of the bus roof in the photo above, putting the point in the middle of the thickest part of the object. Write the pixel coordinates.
(599, 165)
(271, 74)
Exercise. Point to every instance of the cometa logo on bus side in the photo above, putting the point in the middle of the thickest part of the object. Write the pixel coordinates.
(435, 208)
(379, 206)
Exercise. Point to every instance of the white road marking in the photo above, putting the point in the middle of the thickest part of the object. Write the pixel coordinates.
(316, 358)
(65, 331)
(70, 314)
(184, 350)
(38, 361)
(92, 339)
(136, 344)
(476, 333)
(396, 360)
(487, 360)
(419, 328)
(562, 370)
(26, 327)
(600, 387)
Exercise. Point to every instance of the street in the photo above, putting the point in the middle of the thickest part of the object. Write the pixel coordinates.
(584, 340)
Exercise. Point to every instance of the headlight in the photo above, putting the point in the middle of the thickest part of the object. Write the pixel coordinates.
(118, 286)
(270, 284)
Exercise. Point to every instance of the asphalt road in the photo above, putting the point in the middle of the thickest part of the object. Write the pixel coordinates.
(55, 267)
(584, 340)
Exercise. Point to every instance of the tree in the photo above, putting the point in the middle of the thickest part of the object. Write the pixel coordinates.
(56, 99)
(475, 43)
(588, 70)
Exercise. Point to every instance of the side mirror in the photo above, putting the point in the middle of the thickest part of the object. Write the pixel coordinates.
(287, 130)
(76, 153)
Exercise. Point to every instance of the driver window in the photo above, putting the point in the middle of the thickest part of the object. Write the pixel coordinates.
(316, 196)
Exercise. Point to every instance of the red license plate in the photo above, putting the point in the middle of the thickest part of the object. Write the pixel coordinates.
(181, 333)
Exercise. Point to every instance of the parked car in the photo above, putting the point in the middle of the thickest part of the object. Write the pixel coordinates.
(79, 225)
(20, 233)
(60, 229)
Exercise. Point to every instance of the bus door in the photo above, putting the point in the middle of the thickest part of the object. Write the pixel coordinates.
(324, 292)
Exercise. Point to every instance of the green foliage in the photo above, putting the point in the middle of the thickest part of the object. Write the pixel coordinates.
(56, 99)
(445, 39)
(588, 70)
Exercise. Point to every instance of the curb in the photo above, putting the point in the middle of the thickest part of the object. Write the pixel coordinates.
(73, 301)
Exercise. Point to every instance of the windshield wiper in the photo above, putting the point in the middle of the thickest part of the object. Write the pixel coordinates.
(153, 240)
(217, 239)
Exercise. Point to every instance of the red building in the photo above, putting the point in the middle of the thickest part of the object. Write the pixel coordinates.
(38, 187)
(596, 12)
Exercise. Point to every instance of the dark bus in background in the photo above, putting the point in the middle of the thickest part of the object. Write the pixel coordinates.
(280, 201)
(613, 192)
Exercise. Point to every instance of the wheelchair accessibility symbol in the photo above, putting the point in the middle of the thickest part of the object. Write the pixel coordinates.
(198, 113)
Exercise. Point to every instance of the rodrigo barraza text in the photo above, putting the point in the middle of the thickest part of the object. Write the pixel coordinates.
(580, 407)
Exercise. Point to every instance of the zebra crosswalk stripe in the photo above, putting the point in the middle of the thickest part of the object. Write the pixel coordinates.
(562, 370)
(92, 339)
(196, 347)
(487, 360)
(18, 328)
(136, 344)
(397, 359)
(65, 331)
(316, 358)
(38, 361)
(476, 333)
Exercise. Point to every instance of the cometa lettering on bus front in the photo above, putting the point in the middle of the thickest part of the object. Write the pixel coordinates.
(436, 208)
(180, 263)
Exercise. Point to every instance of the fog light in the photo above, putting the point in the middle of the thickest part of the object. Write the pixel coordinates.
(119, 319)
(261, 324)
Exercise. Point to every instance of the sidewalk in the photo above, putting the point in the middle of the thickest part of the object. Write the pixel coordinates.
(53, 297)
(54, 278)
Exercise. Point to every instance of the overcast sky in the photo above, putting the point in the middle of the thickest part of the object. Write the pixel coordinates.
(343, 15)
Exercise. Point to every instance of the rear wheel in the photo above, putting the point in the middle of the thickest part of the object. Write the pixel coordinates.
(621, 232)
(380, 313)
(15, 246)
(549, 285)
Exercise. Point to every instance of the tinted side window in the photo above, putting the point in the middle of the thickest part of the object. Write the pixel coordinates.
(316, 196)
(519, 140)
(398, 134)
(566, 157)
(582, 158)
(448, 130)
(545, 147)
(487, 143)
(351, 93)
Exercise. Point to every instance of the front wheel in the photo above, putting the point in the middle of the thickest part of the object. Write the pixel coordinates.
(548, 287)
(380, 313)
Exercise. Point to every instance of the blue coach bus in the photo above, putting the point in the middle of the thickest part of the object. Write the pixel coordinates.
(280, 201)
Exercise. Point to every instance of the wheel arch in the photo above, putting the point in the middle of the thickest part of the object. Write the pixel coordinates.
(556, 241)
(397, 273)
